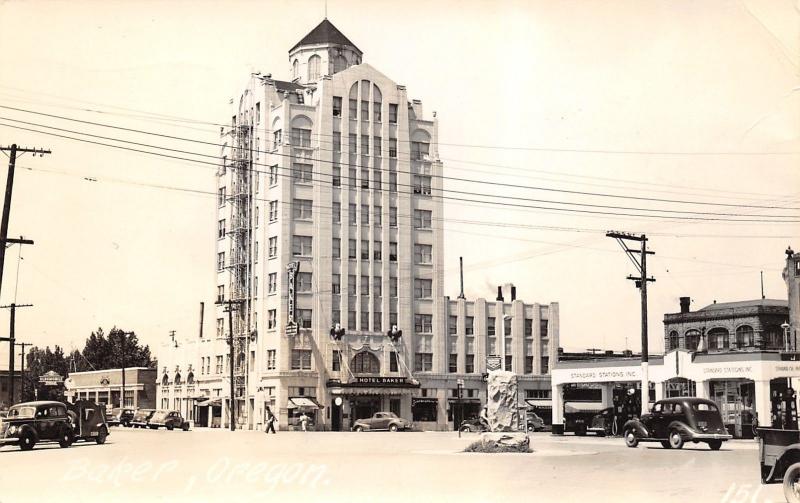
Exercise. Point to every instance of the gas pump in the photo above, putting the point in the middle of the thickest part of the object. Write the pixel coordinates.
(790, 409)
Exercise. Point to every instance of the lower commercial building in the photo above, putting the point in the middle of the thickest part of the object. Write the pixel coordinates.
(105, 387)
(341, 378)
(5, 387)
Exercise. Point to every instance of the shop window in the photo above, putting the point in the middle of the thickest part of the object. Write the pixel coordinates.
(366, 363)
(425, 410)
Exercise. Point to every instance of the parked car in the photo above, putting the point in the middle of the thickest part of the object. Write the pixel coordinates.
(578, 418)
(779, 456)
(169, 419)
(120, 416)
(535, 423)
(30, 423)
(473, 425)
(382, 421)
(602, 424)
(141, 417)
(674, 421)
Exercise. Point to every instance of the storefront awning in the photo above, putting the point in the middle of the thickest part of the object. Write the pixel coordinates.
(211, 402)
(464, 400)
(302, 402)
(583, 406)
(540, 403)
(422, 400)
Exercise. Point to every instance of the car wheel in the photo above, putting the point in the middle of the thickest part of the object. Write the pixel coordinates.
(26, 442)
(580, 431)
(665, 444)
(65, 440)
(715, 444)
(466, 429)
(101, 436)
(631, 440)
(791, 484)
(170, 427)
(675, 439)
(185, 427)
(359, 429)
(393, 427)
(153, 427)
(601, 433)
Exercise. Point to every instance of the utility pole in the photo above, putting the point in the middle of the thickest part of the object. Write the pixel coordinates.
(14, 149)
(11, 343)
(123, 335)
(22, 369)
(641, 284)
(229, 309)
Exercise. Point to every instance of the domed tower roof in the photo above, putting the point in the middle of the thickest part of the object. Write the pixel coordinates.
(324, 51)
(325, 33)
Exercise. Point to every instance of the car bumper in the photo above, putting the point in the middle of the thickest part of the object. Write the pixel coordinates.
(711, 436)
(9, 441)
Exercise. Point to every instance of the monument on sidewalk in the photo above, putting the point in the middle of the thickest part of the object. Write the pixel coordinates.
(502, 414)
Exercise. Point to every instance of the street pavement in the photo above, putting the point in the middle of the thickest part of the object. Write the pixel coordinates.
(217, 465)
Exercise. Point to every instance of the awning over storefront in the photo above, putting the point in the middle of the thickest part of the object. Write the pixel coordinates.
(211, 402)
(423, 400)
(540, 403)
(463, 400)
(302, 402)
(583, 406)
(370, 391)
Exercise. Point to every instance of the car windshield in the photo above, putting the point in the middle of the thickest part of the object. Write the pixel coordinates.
(703, 407)
(22, 412)
(159, 415)
(389, 414)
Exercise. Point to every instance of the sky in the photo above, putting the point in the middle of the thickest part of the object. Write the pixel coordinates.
(689, 101)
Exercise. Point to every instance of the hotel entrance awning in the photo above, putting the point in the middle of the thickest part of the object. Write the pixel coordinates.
(211, 402)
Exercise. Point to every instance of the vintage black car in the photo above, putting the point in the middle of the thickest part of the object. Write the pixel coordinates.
(603, 423)
(473, 425)
(30, 423)
(677, 420)
(141, 417)
(169, 419)
(779, 455)
(120, 416)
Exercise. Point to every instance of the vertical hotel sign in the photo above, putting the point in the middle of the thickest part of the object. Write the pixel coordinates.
(291, 324)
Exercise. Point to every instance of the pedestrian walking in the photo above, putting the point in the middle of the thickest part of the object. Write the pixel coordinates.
(270, 421)
(304, 421)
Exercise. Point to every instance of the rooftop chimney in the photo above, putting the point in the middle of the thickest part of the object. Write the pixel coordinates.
(513, 293)
(499, 294)
(685, 301)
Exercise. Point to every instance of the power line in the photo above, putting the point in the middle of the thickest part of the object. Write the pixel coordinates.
(459, 179)
(157, 118)
(497, 203)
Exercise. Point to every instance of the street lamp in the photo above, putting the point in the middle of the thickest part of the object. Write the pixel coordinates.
(460, 384)
(785, 327)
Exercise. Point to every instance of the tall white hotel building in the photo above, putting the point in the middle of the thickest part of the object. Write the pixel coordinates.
(337, 171)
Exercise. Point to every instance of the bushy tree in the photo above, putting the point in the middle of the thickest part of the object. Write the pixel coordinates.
(103, 351)
(38, 362)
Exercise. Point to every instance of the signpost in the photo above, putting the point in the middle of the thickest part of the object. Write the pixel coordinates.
(51, 378)
(291, 329)
(292, 270)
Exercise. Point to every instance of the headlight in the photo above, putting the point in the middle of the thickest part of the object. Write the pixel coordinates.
(12, 430)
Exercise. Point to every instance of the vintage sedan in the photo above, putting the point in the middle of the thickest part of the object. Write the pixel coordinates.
(169, 419)
(31, 423)
(382, 421)
(779, 455)
(141, 417)
(674, 421)
(120, 416)
(474, 425)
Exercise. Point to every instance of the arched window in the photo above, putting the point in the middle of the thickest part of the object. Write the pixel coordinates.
(674, 341)
(366, 363)
(692, 339)
(353, 101)
(339, 64)
(717, 339)
(744, 337)
(377, 98)
(295, 69)
(190, 378)
(314, 62)
(165, 380)
(178, 379)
